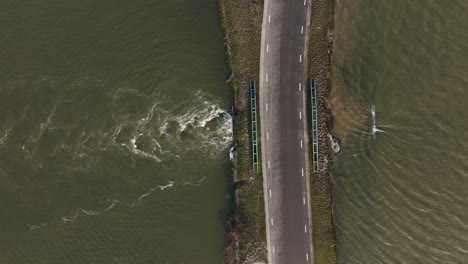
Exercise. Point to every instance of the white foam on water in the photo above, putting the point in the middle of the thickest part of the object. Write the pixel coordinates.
(147, 155)
(5, 136)
(133, 142)
(76, 213)
(231, 153)
(151, 191)
(34, 227)
(89, 212)
(147, 193)
(198, 117)
(148, 117)
(163, 127)
(114, 203)
(48, 121)
(204, 125)
(335, 146)
(168, 185)
(134, 148)
(33, 138)
(158, 134)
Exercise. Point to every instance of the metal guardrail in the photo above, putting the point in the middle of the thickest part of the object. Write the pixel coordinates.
(314, 135)
(253, 115)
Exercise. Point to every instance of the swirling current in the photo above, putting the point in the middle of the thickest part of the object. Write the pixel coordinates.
(114, 134)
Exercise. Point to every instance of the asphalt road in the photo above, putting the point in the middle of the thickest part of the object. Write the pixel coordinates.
(283, 73)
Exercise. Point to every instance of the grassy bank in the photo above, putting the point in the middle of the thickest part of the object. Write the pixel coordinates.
(241, 22)
(320, 45)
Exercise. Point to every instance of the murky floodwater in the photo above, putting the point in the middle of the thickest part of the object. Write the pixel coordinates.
(402, 198)
(113, 134)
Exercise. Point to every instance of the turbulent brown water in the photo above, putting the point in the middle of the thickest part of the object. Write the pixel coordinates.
(113, 132)
(402, 197)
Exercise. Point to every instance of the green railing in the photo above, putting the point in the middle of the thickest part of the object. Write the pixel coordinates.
(253, 115)
(314, 134)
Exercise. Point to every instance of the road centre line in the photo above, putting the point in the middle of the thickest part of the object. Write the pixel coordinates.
(302, 30)
(300, 58)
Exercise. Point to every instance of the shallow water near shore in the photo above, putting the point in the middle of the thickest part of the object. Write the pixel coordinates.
(114, 137)
(401, 198)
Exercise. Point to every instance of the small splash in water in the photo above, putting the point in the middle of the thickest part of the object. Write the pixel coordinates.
(231, 153)
(374, 126)
(334, 144)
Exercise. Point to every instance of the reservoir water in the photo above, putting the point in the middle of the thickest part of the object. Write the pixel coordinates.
(401, 197)
(113, 132)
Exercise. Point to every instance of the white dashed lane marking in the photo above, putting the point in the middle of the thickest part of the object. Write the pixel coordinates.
(266, 105)
(302, 30)
(268, 138)
(270, 192)
(301, 143)
(269, 18)
(300, 58)
(302, 172)
(300, 115)
(305, 228)
(303, 198)
(300, 87)
(268, 164)
(267, 48)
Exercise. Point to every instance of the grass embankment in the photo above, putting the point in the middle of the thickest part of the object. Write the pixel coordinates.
(320, 46)
(241, 23)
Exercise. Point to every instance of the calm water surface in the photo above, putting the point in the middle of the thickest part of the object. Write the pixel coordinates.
(402, 198)
(113, 134)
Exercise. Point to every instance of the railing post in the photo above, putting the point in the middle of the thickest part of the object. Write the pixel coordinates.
(253, 115)
(314, 134)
